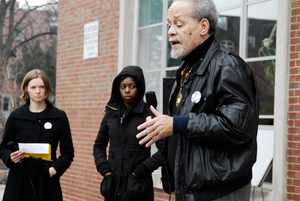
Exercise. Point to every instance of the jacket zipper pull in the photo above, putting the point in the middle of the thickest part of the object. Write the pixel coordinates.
(122, 117)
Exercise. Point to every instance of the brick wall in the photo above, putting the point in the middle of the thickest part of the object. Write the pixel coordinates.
(83, 88)
(293, 172)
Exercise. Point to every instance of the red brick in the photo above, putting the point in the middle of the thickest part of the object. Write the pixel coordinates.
(294, 85)
(294, 4)
(291, 93)
(295, 41)
(293, 100)
(293, 19)
(296, 11)
(296, 182)
(294, 55)
(294, 27)
(296, 167)
(296, 137)
(294, 70)
(291, 189)
(291, 159)
(291, 107)
(296, 197)
(293, 130)
(289, 196)
(292, 63)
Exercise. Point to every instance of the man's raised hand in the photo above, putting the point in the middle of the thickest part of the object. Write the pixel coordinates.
(155, 129)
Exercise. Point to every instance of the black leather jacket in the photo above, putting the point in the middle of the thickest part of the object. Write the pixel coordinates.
(221, 143)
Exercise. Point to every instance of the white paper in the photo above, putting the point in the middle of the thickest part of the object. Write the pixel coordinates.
(90, 47)
(34, 148)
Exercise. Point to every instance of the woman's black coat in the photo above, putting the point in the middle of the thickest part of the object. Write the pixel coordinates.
(23, 126)
(126, 155)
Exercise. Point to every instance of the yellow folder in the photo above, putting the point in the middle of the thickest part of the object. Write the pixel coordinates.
(46, 157)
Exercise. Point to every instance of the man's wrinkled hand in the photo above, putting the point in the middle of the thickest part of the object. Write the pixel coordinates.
(155, 129)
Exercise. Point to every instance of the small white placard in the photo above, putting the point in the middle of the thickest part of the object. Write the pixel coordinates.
(90, 47)
(34, 148)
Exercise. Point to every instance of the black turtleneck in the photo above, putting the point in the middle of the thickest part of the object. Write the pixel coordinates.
(194, 60)
(199, 52)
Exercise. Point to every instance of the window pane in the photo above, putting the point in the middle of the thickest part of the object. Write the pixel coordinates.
(5, 104)
(170, 73)
(170, 3)
(150, 12)
(261, 36)
(264, 72)
(153, 82)
(150, 44)
(223, 4)
(228, 30)
(170, 61)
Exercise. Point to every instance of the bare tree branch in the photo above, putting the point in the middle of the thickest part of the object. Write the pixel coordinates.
(31, 38)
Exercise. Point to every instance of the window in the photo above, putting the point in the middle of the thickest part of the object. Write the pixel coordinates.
(12, 71)
(252, 35)
(53, 27)
(5, 103)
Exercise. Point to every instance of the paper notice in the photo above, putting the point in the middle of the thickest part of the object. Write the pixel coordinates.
(34, 148)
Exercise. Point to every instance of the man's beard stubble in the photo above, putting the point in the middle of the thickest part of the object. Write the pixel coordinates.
(180, 53)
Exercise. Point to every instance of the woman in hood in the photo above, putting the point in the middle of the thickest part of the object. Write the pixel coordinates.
(128, 166)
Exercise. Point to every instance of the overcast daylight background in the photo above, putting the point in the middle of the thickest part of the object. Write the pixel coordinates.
(32, 2)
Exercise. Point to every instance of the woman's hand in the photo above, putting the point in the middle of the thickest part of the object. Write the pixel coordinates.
(52, 171)
(108, 173)
(16, 156)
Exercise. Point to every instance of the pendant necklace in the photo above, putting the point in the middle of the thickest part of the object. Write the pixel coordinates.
(179, 96)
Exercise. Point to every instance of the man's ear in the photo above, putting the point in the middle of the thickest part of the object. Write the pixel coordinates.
(204, 24)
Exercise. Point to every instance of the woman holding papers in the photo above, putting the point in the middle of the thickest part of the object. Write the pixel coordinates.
(127, 171)
(36, 176)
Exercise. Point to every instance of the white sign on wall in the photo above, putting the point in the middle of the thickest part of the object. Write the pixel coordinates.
(90, 47)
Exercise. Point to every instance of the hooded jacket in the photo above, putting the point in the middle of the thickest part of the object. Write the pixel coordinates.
(126, 155)
(220, 148)
(23, 126)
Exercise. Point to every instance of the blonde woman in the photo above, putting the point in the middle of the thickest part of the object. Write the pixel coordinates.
(36, 121)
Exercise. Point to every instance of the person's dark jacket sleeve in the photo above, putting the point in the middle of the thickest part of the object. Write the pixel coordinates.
(150, 164)
(66, 146)
(9, 133)
(100, 146)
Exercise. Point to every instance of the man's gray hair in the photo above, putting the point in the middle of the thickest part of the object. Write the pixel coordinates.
(205, 9)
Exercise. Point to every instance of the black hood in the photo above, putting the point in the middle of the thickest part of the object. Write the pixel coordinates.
(131, 71)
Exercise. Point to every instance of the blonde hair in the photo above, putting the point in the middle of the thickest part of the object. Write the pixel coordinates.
(35, 73)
